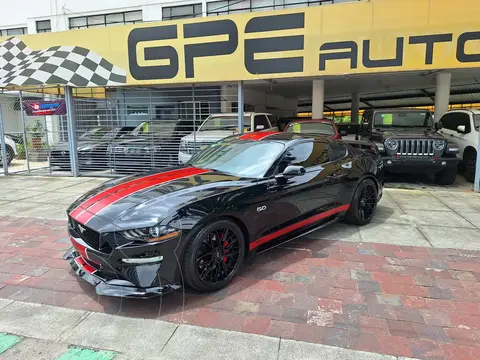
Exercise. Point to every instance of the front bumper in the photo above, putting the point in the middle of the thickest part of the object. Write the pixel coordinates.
(111, 276)
(418, 165)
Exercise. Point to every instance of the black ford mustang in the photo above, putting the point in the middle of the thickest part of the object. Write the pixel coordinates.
(146, 234)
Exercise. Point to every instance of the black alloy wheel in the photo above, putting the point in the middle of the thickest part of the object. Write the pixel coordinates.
(469, 165)
(363, 204)
(214, 256)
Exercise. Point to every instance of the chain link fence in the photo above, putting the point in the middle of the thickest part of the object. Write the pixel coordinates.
(132, 129)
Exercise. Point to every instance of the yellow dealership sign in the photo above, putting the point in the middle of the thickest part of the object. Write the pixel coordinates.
(360, 37)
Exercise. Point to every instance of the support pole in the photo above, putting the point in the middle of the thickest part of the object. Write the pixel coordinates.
(476, 182)
(442, 94)
(355, 108)
(25, 139)
(72, 132)
(240, 107)
(318, 96)
(3, 145)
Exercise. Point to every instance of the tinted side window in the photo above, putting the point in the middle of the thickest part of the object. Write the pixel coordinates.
(463, 119)
(449, 121)
(306, 154)
(336, 152)
(261, 120)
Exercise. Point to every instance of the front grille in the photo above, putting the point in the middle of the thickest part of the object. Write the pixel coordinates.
(89, 236)
(415, 147)
(193, 147)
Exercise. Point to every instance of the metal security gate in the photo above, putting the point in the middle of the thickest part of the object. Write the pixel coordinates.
(139, 129)
(29, 139)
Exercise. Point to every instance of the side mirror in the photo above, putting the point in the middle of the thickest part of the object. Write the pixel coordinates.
(293, 170)
(344, 133)
(438, 125)
(259, 127)
(461, 129)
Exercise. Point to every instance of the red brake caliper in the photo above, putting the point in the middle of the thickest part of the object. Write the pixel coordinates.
(225, 244)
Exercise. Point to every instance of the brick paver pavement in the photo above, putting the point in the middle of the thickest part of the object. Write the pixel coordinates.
(399, 300)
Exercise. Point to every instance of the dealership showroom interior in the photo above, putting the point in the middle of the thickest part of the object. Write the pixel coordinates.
(242, 179)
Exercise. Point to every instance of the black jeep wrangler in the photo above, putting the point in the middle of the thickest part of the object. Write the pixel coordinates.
(409, 143)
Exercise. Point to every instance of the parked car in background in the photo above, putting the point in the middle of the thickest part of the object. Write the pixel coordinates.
(409, 143)
(315, 127)
(219, 126)
(462, 127)
(150, 145)
(11, 148)
(195, 225)
(91, 146)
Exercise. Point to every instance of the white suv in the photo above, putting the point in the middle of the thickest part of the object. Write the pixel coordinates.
(462, 128)
(219, 126)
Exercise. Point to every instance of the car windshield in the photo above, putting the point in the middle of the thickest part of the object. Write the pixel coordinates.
(157, 127)
(250, 159)
(311, 127)
(476, 119)
(96, 133)
(403, 119)
(223, 123)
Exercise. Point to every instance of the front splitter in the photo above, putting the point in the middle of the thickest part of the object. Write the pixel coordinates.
(113, 287)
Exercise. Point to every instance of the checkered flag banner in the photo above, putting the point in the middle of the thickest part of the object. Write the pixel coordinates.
(66, 65)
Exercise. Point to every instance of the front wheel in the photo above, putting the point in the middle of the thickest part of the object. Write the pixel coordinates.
(469, 165)
(446, 176)
(364, 203)
(214, 256)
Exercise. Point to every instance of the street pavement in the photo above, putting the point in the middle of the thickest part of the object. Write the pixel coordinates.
(406, 285)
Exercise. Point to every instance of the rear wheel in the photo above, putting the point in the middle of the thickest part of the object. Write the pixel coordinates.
(469, 165)
(364, 203)
(10, 154)
(214, 256)
(446, 176)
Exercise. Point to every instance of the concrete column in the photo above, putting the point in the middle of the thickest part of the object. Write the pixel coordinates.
(442, 94)
(72, 132)
(355, 107)
(318, 95)
(240, 103)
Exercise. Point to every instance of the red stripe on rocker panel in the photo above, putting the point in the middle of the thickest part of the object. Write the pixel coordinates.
(89, 202)
(87, 214)
(297, 226)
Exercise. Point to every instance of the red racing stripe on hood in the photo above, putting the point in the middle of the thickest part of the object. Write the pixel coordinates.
(257, 135)
(136, 186)
(101, 195)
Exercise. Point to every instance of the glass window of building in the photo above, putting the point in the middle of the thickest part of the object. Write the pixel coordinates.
(13, 31)
(44, 26)
(235, 6)
(112, 19)
(181, 12)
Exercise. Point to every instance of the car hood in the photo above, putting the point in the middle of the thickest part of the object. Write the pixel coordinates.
(146, 199)
(209, 135)
(410, 133)
(63, 146)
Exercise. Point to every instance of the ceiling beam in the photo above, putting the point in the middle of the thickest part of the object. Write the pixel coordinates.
(427, 94)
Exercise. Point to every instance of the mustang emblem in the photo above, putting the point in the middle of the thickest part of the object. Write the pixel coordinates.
(81, 229)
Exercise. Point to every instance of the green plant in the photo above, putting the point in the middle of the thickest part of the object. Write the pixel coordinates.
(37, 129)
(21, 152)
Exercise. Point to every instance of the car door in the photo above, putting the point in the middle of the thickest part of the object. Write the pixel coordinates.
(451, 121)
(304, 196)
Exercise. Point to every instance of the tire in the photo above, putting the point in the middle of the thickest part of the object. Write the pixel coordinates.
(201, 258)
(446, 176)
(469, 164)
(365, 194)
(10, 154)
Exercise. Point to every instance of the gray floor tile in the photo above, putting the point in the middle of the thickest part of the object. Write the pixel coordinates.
(392, 234)
(143, 337)
(437, 218)
(455, 238)
(338, 231)
(191, 342)
(32, 349)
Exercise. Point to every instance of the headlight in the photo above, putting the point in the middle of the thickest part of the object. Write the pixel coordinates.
(183, 147)
(153, 234)
(439, 145)
(391, 144)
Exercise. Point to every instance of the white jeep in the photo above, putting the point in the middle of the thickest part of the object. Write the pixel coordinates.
(219, 126)
(462, 128)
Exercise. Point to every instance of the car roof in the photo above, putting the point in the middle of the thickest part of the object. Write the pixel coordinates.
(396, 109)
(236, 114)
(313, 120)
